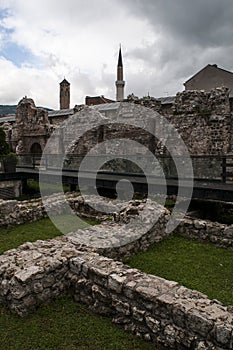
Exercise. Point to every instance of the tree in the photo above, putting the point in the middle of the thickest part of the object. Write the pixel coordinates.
(4, 147)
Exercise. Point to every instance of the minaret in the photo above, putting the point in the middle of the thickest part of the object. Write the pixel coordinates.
(120, 84)
(64, 94)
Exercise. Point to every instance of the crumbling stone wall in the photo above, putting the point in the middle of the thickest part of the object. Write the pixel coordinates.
(202, 102)
(151, 307)
(13, 212)
(205, 134)
(110, 238)
(34, 273)
(94, 127)
(31, 126)
(207, 231)
(203, 119)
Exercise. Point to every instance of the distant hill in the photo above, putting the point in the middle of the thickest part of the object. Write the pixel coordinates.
(7, 109)
(11, 109)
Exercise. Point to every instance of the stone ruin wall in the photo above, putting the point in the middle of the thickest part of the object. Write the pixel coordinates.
(203, 119)
(148, 306)
(31, 126)
(206, 128)
(13, 212)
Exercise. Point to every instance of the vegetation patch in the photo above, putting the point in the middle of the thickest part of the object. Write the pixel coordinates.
(195, 265)
(64, 325)
(12, 237)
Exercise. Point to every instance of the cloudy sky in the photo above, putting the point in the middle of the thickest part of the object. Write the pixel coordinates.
(164, 42)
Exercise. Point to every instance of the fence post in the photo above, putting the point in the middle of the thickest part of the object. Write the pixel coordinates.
(224, 169)
(33, 161)
(46, 161)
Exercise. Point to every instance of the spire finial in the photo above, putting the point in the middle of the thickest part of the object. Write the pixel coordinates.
(120, 64)
(120, 80)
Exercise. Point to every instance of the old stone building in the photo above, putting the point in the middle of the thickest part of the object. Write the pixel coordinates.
(210, 77)
(31, 129)
(202, 118)
(64, 94)
(96, 100)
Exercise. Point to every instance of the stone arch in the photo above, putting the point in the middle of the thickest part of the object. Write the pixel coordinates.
(36, 154)
(36, 149)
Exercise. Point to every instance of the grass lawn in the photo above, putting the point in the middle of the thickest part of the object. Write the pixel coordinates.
(64, 325)
(12, 237)
(193, 264)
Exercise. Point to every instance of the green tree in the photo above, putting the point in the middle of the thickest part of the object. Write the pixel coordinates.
(4, 147)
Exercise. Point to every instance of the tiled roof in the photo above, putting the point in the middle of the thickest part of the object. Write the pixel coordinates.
(9, 118)
(61, 112)
(209, 65)
(107, 106)
(167, 100)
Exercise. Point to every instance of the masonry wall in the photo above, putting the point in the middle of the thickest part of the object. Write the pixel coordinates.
(13, 212)
(203, 119)
(150, 307)
(207, 231)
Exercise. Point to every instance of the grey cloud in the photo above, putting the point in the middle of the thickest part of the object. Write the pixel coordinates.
(188, 36)
(203, 22)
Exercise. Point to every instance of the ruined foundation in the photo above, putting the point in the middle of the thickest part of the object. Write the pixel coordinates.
(150, 307)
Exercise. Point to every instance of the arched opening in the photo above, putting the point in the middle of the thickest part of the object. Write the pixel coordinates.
(36, 149)
(36, 152)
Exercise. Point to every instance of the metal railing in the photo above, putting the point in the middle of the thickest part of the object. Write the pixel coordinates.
(227, 169)
(205, 167)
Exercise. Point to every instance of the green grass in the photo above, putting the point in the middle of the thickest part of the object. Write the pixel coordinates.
(64, 325)
(195, 265)
(12, 237)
